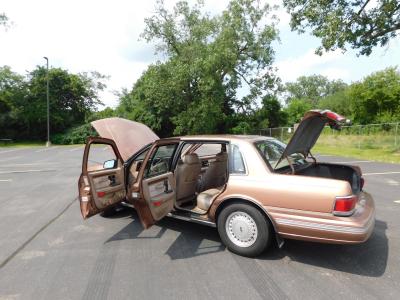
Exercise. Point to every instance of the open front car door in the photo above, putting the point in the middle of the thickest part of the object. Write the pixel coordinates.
(102, 183)
(153, 192)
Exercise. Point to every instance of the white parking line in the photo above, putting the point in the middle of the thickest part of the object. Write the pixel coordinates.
(7, 151)
(27, 171)
(47, 149)
(75, 149)
(383, 173)
(10, 158)
(397, 201)
(5, 180)
(392, 182)
(27, 165)
(352, 162)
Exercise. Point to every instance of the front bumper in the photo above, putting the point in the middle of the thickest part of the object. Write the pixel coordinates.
(327, 228)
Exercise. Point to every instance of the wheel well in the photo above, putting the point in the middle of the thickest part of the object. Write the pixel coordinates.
(239, 200)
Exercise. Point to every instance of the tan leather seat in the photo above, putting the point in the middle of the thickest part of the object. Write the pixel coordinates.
(187, 174)
(204, 199)
(215, 175)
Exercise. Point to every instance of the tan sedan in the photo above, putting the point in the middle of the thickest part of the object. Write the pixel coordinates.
(252, 188)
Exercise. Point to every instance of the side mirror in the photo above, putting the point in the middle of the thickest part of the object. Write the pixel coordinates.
(138, 166)
(110, 164)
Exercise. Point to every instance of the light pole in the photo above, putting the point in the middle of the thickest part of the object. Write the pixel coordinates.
(48, 103)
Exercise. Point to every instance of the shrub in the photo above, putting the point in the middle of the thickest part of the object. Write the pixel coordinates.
(75, 135)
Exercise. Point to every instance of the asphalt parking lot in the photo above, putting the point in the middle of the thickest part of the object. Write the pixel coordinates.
(48, 252)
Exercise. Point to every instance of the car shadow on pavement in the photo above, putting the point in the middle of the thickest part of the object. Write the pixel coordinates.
(366, 259)
(192, 239)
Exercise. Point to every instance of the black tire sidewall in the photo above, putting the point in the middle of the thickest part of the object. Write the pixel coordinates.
(263, 230)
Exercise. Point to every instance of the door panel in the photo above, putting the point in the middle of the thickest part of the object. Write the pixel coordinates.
(153, 194)
(159, 193)
(100, 186)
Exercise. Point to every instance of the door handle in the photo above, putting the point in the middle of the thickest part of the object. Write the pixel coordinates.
(166, 187)
(112, 180)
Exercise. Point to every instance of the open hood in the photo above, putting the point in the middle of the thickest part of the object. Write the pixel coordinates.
(129, 136)
(309, 130)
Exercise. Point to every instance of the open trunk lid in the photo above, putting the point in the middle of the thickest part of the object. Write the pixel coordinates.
(309, 130)
(129, 136)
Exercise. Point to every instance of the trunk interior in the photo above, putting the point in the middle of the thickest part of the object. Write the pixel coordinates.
(339, 172)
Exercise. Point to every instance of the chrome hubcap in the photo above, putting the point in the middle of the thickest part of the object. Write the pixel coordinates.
(241, 229)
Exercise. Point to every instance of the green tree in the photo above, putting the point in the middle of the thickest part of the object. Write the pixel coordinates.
(155, 98)
(208, 59)
(377, 97)
(73, 97)
(362, 24)
(296, 110)
(13, 90)
(3, 19)
(312, 88)
(339, 102)
(270, 114)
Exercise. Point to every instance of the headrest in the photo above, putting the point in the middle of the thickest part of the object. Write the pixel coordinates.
(222, 156)
(191, 159)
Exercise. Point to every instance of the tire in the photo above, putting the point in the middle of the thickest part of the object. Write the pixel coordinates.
(244, 229)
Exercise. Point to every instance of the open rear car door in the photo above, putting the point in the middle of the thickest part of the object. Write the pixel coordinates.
(102, 181)
(153, 192)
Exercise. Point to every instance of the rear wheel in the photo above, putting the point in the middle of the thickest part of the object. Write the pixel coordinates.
(244, 229)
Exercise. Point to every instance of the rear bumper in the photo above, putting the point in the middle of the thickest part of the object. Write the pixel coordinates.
(327, 228)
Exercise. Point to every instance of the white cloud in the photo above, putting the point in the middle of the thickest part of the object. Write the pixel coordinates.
(103, 35)
(336, 73)
(310, 63)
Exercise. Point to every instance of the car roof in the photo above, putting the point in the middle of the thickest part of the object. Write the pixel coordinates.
(222, 137)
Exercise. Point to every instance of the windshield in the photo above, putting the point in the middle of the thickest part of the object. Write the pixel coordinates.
(272, 150)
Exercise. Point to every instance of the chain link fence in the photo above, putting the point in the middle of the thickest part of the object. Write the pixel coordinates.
(371, 136)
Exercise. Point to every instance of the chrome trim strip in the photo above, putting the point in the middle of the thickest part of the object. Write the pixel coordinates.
(193, 220)
(326, 227)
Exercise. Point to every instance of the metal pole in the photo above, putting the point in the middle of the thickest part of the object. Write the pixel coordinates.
(48, 102)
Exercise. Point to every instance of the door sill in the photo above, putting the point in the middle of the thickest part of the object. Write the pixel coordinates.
(190, 218)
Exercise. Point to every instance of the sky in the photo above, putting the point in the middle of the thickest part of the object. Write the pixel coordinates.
(89, 35)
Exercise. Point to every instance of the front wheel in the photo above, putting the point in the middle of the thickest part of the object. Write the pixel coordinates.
(244, 229)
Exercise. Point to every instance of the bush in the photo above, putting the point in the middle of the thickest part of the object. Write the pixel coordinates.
(75, 135)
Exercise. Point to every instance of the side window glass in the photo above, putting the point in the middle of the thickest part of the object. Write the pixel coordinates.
(101, 156)
(208, 150)
(237, 161)
(135, 167)
(161, 160)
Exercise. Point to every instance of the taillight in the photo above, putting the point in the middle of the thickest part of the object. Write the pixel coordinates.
(344, 206)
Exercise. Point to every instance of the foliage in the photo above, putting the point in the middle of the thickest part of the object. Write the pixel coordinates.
(13, 90)
(108, 112)
(377, 98)
(3, 19)
(296, 110)
(312, 88)
(363, 24)
(339, 102)
(270, 114)
(23, 107)
(208, 59)
(75, 135)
